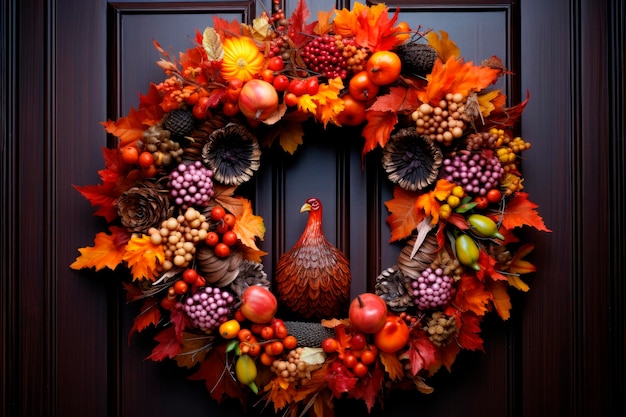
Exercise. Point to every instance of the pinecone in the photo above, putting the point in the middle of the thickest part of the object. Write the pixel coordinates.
(143, 206)
(309, 334)
(250, 273)
(233, 153)
(179, 122)
(393, 287)
(441, 329)
(412, 161)
(417, 58)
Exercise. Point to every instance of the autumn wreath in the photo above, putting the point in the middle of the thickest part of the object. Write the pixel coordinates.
(177, 225)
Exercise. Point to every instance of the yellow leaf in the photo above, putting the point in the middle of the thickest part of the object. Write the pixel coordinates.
(291, 134)
(326, 104)
(484, 101)
(105, 253)
(444, 46)
(142, 256)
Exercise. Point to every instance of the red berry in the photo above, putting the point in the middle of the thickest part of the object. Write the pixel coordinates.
(190, 275)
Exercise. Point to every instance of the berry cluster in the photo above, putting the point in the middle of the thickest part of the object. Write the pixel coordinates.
(442, 123)
(441, 329)
(221, 237)
(477, 173)
(191, 185)
(322, 56)
(356, 357)
(432, 289)
(208, 308)
(179, 236)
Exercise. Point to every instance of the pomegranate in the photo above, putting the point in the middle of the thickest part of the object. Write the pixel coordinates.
(258, 304)
(367, 313)
(258, 99)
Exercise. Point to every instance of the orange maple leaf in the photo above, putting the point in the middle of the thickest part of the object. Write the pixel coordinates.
(149, 315)
(404, 217)
(370, 25)
(142, 256)
(248, 225)
(500, 298)
(399, 99)
(392, 364)
(520, 266)
(129, 128)
(470, 296)
(326, 104)
(455, 76)
(107, 251)
(378, 129)
(520, 211)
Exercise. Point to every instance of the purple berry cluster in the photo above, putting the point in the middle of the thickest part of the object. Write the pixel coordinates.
(208, 308)
(476, 172)
(191, 185)
(432, 289)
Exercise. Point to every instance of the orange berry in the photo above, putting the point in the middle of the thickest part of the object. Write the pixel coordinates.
(266, 359)
(244, 335)
(290, 342)
(267, 332)
(145, 159)
(130, 154)
(180, 287)
(277, 348)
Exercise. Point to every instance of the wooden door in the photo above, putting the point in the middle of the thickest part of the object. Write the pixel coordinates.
(70, 65)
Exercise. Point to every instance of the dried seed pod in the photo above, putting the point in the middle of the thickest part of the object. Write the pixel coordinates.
(412, 161)
(412, 267)
(233, 154)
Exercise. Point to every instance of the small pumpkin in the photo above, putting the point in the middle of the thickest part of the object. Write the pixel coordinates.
(242, 59)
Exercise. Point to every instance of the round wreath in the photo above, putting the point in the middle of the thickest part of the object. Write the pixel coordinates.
(189, 242)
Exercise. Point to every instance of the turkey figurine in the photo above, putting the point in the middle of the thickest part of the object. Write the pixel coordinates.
(312, 280)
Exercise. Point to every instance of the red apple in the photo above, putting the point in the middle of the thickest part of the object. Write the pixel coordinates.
(367, 313)
(258, 99)
(258, 304)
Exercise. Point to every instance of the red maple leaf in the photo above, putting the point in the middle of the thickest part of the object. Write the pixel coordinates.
(404, 217)
(180, 321)
(369, 387)
(168, 346)
(506, 116)
(520, 211)
(422, 352)
(151, 105)
(378, 128)
(299, 30)
(340, 380)
(149, 315)
(470, 296)
(399, 99)
(225, 28)
(469, 331)
(218, 380)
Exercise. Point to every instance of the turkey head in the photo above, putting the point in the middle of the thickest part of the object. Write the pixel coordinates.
(313, 278)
